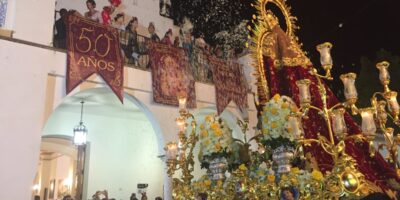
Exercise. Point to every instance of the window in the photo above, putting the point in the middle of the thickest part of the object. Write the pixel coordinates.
(3, 12)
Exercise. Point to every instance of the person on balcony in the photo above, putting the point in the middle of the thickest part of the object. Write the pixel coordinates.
(177, 42)
(61, 30)
(132, 50)
(167, 38)
(152, 31)
(119, 22)
(93, 14)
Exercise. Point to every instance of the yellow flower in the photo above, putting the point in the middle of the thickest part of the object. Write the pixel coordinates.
(317, 175)
(209, 118)
(284, 177)
(276, 97)
(219, 183)
(295, 170)
(274, 124)
(285, 105)
(207, 183)
(274, 111)
(214, 126)
(218, 132)
(243, 167)
(217, 147)
(206, 142)
(265, 120)
(202, 127)
(265, 131)
(204, 134)
(289, 130)
(260, 173)
(271, 178)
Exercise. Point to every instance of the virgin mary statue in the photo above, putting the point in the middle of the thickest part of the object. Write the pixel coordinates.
(280, 63)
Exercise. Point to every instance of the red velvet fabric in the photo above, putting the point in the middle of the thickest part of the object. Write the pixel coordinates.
(283, 81)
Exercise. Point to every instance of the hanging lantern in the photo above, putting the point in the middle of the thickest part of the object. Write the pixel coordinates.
(80, 131)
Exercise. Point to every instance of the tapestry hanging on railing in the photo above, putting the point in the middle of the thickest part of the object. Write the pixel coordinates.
(171, 75)
(229, 83)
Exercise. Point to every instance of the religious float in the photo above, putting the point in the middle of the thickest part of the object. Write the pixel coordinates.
(309, 146)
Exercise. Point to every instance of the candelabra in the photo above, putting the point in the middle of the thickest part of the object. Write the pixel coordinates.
(180, 155)
(383, 105)
(345, 174)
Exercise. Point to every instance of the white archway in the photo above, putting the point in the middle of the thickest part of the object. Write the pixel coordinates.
(125, 141)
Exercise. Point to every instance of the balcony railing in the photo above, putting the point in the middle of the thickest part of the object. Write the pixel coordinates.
(136, 49)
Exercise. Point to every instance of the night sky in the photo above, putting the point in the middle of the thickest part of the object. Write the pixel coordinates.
(366, 27)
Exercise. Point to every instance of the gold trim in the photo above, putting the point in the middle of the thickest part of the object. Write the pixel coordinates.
(265, 40)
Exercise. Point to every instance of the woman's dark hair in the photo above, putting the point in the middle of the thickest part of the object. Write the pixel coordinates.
(91, 2)
(128, 27)
(118, 16)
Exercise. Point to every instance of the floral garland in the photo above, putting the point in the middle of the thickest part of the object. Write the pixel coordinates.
(274, 118)
(215, 139)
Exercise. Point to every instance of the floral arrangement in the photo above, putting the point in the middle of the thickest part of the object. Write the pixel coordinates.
(274, 122)
(215, 139)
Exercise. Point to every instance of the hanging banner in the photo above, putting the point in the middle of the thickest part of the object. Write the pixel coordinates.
(229, 83)
(93, 48)
(171, 75)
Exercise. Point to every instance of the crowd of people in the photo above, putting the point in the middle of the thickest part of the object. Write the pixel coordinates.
(135, 47)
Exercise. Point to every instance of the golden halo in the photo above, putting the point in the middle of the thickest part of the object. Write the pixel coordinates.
(285, 9)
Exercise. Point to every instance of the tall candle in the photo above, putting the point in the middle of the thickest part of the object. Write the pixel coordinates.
(304, 90)
(338, 123)
(350, 91)
(368, 124)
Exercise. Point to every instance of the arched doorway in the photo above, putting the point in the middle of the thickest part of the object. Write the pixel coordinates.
(124, 143)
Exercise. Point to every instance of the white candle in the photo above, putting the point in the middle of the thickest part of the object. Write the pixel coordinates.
(338, 123)
(393, 104)
(384, 76)
(304, 90)
(325, 52)
(182, 102)
(180, 122)
(172, 150)
(368, 123)
(350, 91)
(295, 125)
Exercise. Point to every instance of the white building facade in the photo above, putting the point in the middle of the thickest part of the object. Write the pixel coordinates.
(126, 141)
